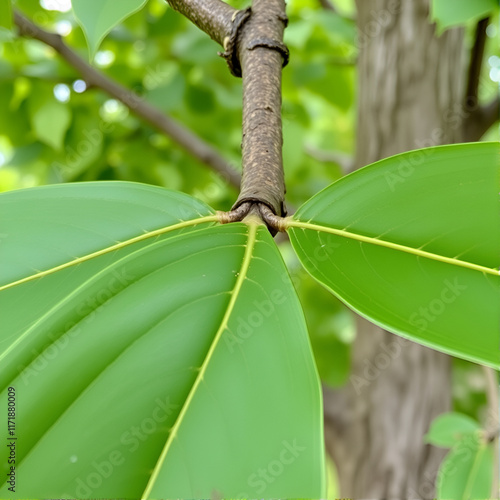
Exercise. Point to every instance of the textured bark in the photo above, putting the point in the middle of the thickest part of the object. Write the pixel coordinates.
(214, 17)
(260, 53)
(254, 49)
(410, 96)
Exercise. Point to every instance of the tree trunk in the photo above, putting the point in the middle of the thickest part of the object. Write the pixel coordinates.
(410, 95)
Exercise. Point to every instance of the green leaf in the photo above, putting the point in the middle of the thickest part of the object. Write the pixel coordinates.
(98, 17)
(50, 121)
(447, 13)
(449, 428)
(83, 144)
(331, 330)
(412, 244)
(161, 367)
(466, 472)
(200, 99)
(5, 14)
(331, 83)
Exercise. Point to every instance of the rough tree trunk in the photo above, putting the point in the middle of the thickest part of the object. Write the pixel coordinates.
(410, 92)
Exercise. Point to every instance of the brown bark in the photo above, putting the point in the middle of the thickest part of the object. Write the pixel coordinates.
(261, 53)
(410, 95)
(476, 63)
(214, 17)
(479, 117)
(254, 49)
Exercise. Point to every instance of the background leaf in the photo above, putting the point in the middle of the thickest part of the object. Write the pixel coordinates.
(330, 324)
(99, 17)
(448, 13)
(50, 122)
(5, 14)
(440, 200)
(466, 472)
(449, 428)
(170, 355)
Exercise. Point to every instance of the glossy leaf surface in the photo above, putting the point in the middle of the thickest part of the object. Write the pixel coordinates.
(413, 244)
(175, 366)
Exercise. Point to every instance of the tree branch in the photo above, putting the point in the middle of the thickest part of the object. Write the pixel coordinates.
(327, 5)
(475, 64)
(254, 49)
(262, 54)
(214, 17)
(190, 142)
(480, 120)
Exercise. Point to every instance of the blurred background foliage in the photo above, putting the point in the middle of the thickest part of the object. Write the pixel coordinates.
(54, 129)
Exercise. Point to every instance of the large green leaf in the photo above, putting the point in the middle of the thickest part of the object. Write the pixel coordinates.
(413, 243)
(447, 13)
(466, 472)
(175, 365)
(99, 17)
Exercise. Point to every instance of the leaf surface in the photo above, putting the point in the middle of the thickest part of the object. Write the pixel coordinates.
(412, 243)
(449, 428)
(50, 122)
(177, 365)
(447, 13)
(466, 472)
(98, 17)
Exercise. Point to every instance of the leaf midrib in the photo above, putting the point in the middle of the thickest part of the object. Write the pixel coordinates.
(247, 257)
(125, 348)
(391, 245)
(74, 294)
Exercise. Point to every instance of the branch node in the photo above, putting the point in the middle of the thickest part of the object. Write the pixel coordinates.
(284, 19)
(268, 43)
(274, 222)
(230, 54)
(235, 215)
(490, 435)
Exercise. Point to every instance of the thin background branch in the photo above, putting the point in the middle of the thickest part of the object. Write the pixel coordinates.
(476, 62)
(190, 142)
(327, 5)
(481, 118)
